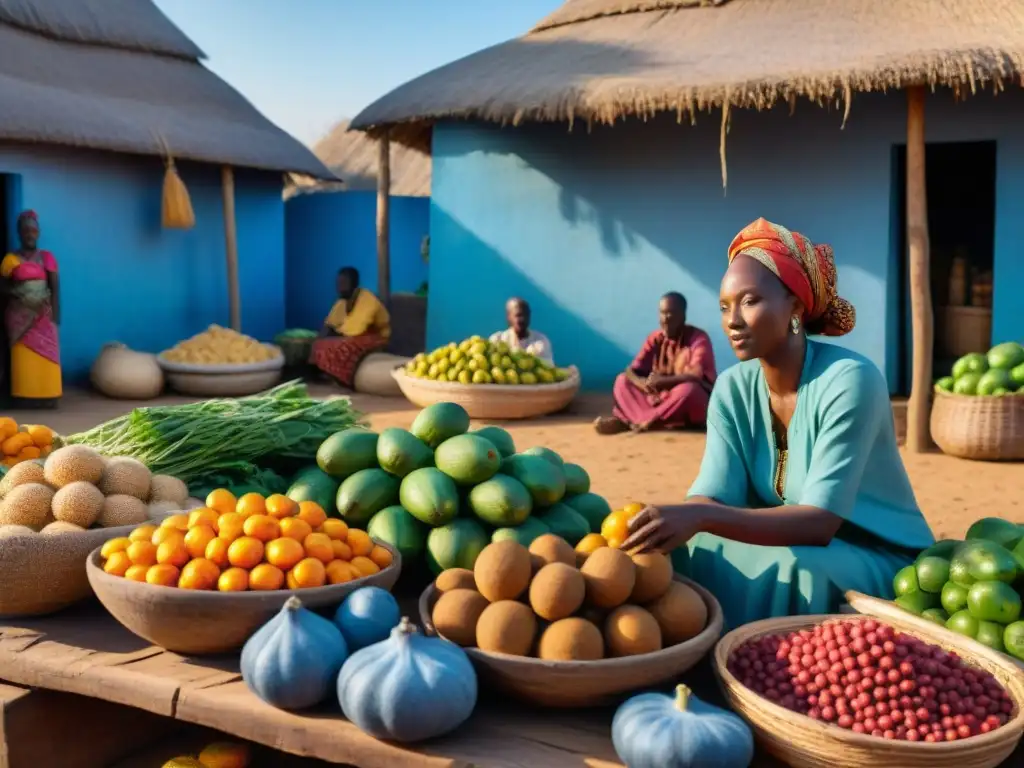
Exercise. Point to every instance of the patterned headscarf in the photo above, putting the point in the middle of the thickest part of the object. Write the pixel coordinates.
(808, 270)
(28, 215)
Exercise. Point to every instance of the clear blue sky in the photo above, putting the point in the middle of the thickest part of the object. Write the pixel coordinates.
(309, 63)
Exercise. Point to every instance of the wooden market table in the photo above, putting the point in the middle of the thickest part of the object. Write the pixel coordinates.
(84, 651)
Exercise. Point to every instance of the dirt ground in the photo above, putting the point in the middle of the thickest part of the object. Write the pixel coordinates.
(649, 468)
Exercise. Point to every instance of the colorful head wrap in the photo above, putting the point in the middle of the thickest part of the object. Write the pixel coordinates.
(28, 215)
(808, 270)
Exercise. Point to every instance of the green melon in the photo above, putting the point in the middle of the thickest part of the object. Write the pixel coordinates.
(501, 501)
(594, 508)
(364, 494)
(456, 545)
(565, 521)
(499, 437)
(430, 496)
(400, 452)
(346, 452)
(440, 421)
(401, 530)
(467, 459)
(545, 453)
(577, 480)
(530, 529)
(543, 479)
(313, 484)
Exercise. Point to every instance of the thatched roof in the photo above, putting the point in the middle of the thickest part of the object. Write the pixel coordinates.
(118, 75)
(352, 157)
(599, 60)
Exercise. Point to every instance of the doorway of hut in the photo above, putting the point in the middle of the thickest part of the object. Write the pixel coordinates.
(961, 189)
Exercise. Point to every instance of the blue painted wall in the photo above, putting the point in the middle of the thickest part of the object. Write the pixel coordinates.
(593, 227)
(125, 278)
(329, 230)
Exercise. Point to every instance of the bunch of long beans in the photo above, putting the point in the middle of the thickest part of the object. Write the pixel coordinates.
(224, 435)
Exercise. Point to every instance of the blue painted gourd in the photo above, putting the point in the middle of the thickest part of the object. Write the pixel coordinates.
(293, 660)
(367, 616)
(655, 730)
(408, 688)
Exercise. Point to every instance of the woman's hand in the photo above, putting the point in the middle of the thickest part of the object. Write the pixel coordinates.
(662, 530)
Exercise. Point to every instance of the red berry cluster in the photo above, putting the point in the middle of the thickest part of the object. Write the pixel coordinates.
(866, 677)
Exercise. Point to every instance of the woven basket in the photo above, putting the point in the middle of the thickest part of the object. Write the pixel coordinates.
(586, 683)
(492, 401)
(978, 427)
(804, 743)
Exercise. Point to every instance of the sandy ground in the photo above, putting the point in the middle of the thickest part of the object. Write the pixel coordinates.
(649, 468)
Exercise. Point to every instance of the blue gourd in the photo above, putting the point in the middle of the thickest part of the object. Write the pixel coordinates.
(408, 688)
(367, 616)
(293, 660)
(655, 730)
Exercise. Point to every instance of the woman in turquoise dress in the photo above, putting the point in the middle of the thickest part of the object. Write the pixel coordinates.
(802, 494)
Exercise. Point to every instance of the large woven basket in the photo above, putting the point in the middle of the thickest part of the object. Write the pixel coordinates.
(804, 743)
(586, 683)
(492, 401)
(978, 427)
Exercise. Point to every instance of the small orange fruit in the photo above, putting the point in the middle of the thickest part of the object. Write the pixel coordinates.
(217, 552)
(342, 551)
(203, 516)
(176, 521)
(289, 581)
(137, 573)
(266, 577)
(280, 506)
(197, 539)
(319, 546)
(335, 528)
(285, 553)
(360, 542)
(199, 574)
(114, 545)
(634, 508)
(230, 525)
(251, 504)
(615, 527)
(142, 553)
(294, 528)
(163, 575)
(160, 535)
(588, 544)
(173, 552)
(143, 533)
(312, 513)
(245, 552)
(380, 556)
(339, 572)
(365, 566)
(309, 573)
(222, 500)
(262, 527)
(233, 580)
(117, 564)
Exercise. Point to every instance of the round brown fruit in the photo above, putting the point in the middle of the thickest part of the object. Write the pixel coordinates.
(610, 576)
(455, 578)
(551, 549)
(557, 591)
(456, 614)
(653, 577)
(680, 612)
(630, 630)
(572, 639)
(503, 570)
(508, 627)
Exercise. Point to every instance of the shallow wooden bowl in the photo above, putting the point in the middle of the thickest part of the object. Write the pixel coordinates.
(586, 683)
(804, 743)
(199, 623)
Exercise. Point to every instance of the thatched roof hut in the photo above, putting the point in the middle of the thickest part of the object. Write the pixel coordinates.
(118, 75)
(599, 60)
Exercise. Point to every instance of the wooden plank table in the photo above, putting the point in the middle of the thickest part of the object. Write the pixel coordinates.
(85, 651)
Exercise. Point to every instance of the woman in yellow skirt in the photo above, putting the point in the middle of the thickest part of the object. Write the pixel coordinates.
(31, 318)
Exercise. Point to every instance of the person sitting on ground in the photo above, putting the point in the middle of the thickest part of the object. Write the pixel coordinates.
(668, 385)
(518, 334)
(802, 494)
(357, 325)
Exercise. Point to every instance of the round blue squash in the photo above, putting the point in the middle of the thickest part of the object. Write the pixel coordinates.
(293, 660)
(409, 687)
(367, 616)
(654, 730)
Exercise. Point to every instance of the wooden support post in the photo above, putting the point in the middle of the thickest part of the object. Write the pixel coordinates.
(384, 219)
(919, 270)
(231, 245)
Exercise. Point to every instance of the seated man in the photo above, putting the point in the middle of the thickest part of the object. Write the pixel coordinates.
(669, 383)
(518, 334)
(357, 325)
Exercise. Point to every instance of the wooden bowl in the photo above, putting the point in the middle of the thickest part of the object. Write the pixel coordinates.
(223, 379)
(804, 743)
(586, 683)
(198, 623)
(492, 401)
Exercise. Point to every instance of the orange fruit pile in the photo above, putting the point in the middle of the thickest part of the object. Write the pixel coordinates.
(615, 527)
(250, 543)
(24, 442)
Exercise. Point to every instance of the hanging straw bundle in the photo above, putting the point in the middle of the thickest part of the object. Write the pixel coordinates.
(176, 207)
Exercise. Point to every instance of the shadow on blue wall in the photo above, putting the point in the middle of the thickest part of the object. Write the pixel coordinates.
(329, 230)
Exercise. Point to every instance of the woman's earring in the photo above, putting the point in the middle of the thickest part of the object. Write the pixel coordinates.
(794, 324)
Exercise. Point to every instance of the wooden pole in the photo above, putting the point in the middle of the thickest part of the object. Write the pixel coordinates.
(227, 177)
(384, 219)
(919, 268)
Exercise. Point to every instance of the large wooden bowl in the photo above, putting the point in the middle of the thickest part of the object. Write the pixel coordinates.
(198, 623)
(223, 379)
(492, 401)
(586, 683)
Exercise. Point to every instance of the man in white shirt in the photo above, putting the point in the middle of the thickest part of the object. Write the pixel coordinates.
(518, 334)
